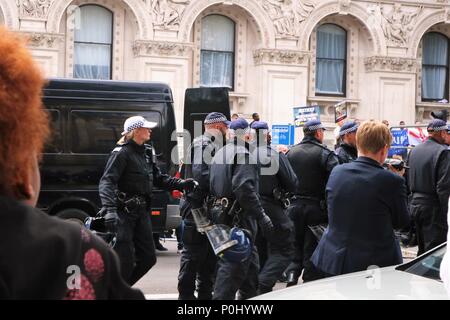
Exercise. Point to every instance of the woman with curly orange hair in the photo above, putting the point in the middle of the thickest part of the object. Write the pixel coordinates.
(41, 257)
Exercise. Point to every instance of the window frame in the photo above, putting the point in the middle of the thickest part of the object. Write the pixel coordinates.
(233, 60)
(111, 45)
(344, 78)
(447, 67)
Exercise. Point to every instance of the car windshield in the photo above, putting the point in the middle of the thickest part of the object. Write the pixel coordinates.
(427, 266)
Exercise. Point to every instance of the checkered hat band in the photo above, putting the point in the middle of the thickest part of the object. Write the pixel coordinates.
(136, 125)
(316, 127)
(442, 128)
(348, 130)
(246, 130)
(215, 120)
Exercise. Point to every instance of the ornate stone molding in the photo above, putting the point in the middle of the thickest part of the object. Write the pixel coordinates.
(287, 15)
(167, 14)
(160, 48)
(390, 64)
(44, 40)
(275, 56)
(34, 8)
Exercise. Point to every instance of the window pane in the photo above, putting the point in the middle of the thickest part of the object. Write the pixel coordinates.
(435, 49)
(97, 131)
(217, 33)
(94, 25)
(433, 82)
(216, 69)
(92, 61)
(330, 76)
(331, 42)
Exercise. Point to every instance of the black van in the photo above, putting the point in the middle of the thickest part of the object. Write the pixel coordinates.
(87, 121)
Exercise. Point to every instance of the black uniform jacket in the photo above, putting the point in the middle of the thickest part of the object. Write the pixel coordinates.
(365, 204)
(346, 153)
(132, 169)
(41, 257)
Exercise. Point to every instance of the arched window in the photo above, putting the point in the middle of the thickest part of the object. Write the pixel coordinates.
(331, 60)
(217, 52)
(93, 43)
(435, 67)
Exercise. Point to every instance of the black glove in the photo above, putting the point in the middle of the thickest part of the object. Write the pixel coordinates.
(266, 225)
(188, 185)
(111, 220)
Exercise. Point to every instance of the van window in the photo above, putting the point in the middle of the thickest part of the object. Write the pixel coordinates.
(98, 131)
(54, 145)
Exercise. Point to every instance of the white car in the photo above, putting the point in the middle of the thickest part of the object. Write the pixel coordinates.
(417, 279)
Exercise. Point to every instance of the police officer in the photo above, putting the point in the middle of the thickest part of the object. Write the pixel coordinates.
(429, 179)
(312, 162)
(234, 185)
(346, 151)
(125, 191)
(197, 259)
(276, 180)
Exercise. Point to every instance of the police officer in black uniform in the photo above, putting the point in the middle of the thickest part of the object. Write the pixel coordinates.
(198, 260)
(312, 162)
(346, 151)
(429, 180)
(276, 180)
(125, 191)
(234, 185)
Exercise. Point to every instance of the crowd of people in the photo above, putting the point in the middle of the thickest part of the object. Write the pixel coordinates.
(250, 213)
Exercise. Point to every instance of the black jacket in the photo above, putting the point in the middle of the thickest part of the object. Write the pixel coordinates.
(132, 169)
(275, 171)
(234, 175)
(346, 153)
(429, 174)
(312, 163)
(365, 204)
(40, 254)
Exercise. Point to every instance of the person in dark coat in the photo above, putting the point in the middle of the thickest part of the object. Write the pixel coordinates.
(365, 204)
(41, 257)
(198, 262)
(346, 151)
(125, 190)
(276, 180)
(312, 162)
(429, 180)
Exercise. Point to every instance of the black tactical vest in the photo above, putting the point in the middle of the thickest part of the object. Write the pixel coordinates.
(268, 165)
(306, 159)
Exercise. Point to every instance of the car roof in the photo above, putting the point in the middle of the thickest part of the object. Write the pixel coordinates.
(107, 89)
(378, 284)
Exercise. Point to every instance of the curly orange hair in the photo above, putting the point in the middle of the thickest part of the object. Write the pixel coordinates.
(24, 124)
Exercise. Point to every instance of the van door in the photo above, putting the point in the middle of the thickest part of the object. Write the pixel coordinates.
(198, 102)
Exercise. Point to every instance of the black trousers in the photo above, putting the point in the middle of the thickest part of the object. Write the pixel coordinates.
(304, 213)
(135, 245)
(279, 248)
(431, 225)
(243, 276)
(197, 264)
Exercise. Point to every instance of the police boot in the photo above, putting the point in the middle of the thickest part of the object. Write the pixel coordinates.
(292, 279)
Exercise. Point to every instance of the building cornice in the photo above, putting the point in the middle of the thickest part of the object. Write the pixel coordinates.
(390, 64)
(279, 56)
(161, 48)
(43, 40)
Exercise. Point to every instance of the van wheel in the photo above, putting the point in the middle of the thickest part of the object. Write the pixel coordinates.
(75, 215)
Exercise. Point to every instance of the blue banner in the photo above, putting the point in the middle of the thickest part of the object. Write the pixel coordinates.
(283, 134)
(399, 143)
(304, 114)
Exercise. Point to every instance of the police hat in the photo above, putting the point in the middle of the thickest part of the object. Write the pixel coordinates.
(260, 125)
(313, 125)
(137, 122)
(239, 123)
(348, 127)
(216, 117)
(437, 125)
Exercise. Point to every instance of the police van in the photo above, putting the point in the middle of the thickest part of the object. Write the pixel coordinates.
(87, 119)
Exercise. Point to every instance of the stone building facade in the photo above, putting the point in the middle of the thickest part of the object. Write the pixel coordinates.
(387, 59)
